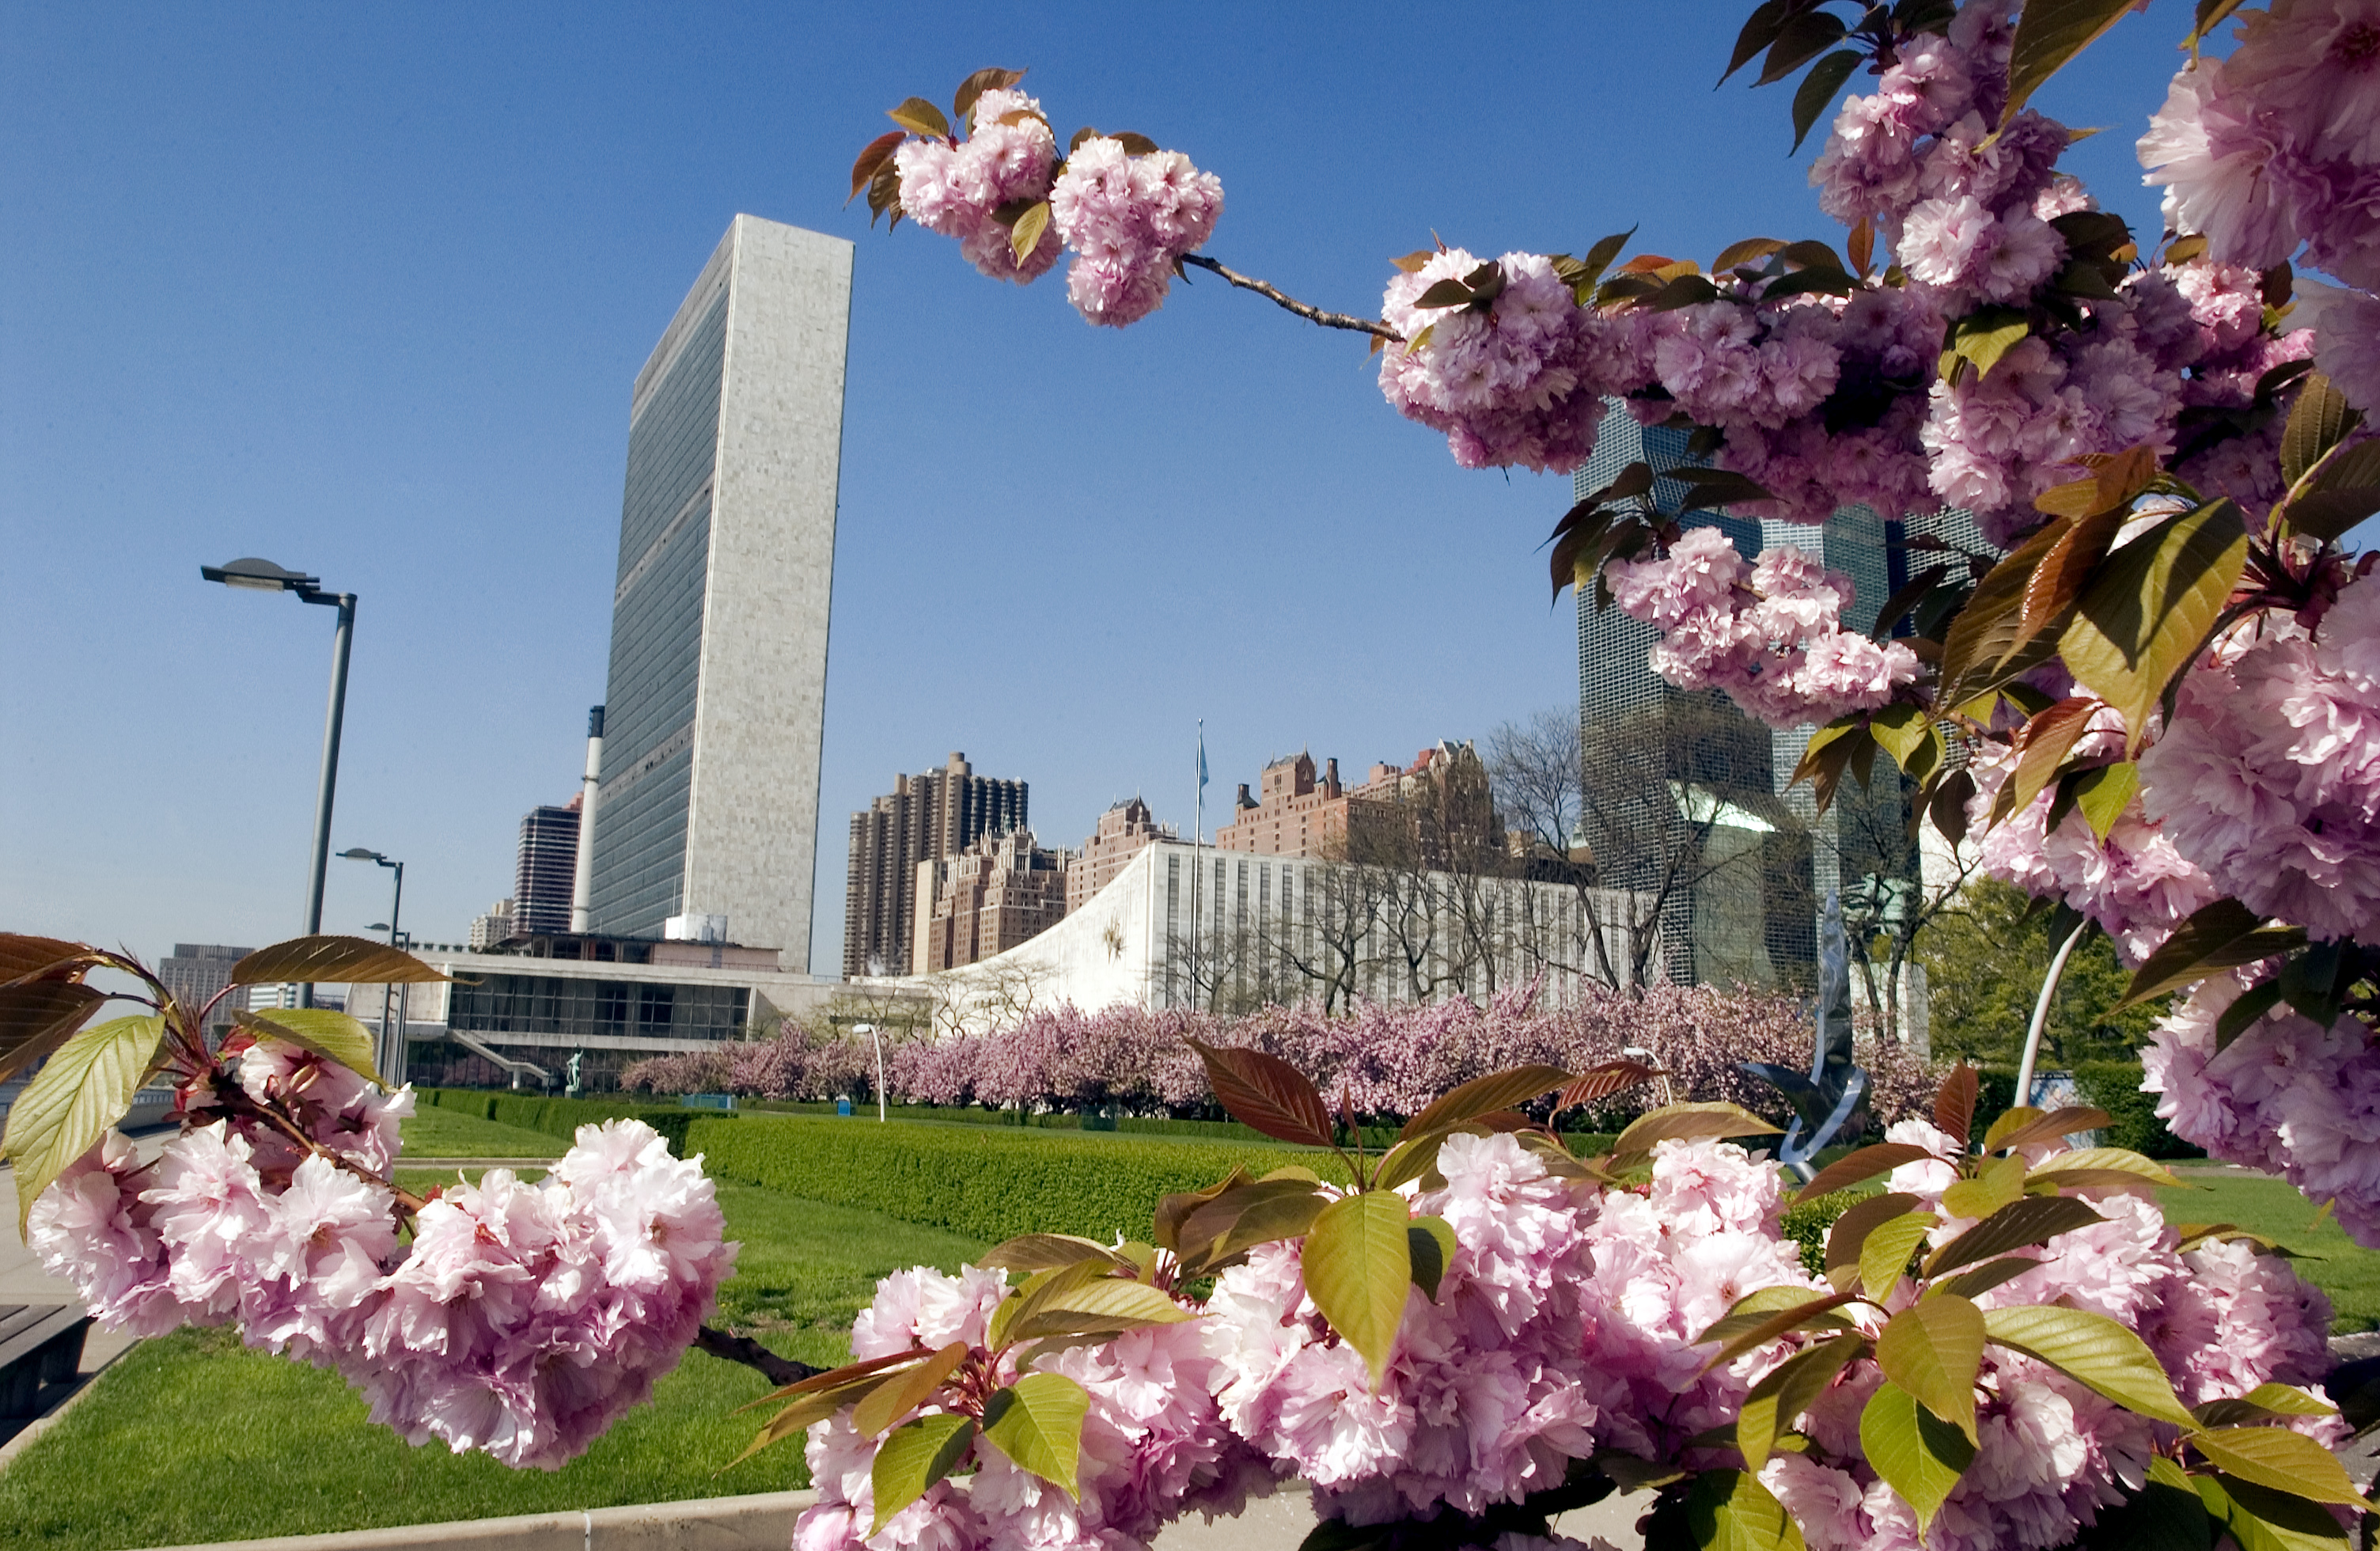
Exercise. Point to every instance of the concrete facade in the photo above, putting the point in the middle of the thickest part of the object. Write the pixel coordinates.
(716, 705)
(1185, 926)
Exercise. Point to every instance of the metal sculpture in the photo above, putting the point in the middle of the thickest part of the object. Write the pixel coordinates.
(1836, 1086)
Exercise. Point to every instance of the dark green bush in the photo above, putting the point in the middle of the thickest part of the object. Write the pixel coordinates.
(988, 1183)
(1807, 1223)
(563, 1117)
(2115, 1086)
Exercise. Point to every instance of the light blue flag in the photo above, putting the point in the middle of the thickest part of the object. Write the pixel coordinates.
(1202, 757)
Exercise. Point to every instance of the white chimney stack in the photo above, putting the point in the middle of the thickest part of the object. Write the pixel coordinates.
(584, 884)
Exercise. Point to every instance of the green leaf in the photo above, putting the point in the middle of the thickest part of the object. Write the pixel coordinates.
(1038, 1422)
(2320, 421)
(2280, 1459)
(1994, 1184)
(1991, 1274)
(1849, 1232)
(1986, 643)
(37, 1016)
(2048, 33)
(2262, 1519)
(1865, 1164)
(1042, 1252)
(915, 1456)
(1805, 36)
(921, 118)
(906, 1391)
(1358, 1265)
(2089, 1168)
(1239, 1219)
(1789, 1389)
(358, 961)
(1107, 1305)
(2264, 1403)
(1025, 235)
(2036, 1219)
(1036, 1291)
(1731, 1511)
(2220, 936)
(71, 1103)
(2102, 794)
(1818, 91)
(1266, 1093)
(2093, 1350)
(2211, 15)
(332, 1035)
(1687, 1122)
(2151, 608)
(1885, 1254)
(1983, 336)
(1918, 1455)
(1934, 1348)
(1431, 1242)
(1483, 1096)
(2166, 1514)
(1740, 1332)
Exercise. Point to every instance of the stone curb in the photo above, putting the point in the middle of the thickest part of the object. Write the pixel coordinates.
(763, 1519)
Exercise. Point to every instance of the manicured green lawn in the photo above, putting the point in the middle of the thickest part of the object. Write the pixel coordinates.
(2334, 1263)
(435, 1133)
(190, 1438)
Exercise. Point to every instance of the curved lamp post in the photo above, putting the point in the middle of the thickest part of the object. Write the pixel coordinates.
(263, 575)
(391, 1063)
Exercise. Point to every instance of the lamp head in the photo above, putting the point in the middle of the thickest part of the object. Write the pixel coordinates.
(262, 575)
(357, 853)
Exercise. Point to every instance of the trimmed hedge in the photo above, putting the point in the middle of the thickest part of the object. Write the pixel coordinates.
(2115, 1086)
(988, 1183)
(563, 1117)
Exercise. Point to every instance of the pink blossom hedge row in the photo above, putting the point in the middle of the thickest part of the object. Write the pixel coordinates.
(1389, 1062)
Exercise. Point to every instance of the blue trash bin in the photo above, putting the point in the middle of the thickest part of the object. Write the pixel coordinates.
(843, 1107)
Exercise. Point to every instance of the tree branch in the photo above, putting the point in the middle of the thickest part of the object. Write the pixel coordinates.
(752, 1354)
(1311, 314)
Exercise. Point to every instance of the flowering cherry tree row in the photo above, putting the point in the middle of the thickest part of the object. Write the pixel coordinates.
(2152, 698)
(1388, 1062)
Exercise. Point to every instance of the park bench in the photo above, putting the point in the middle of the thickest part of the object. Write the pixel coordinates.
(41, 1344)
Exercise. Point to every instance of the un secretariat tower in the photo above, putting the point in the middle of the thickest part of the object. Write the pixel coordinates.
(706, 803)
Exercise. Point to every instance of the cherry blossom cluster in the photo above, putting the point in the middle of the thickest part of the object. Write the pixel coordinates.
(520, 1320)
(2050, 1453)
(1563, 1327)
(1389, 1061)
(2135, 883)
(2288, 1095)
(2269, 777)
(2272, 153)
(1009, 156)
(1153, 1444)
(1769, 634)
(1127, 219)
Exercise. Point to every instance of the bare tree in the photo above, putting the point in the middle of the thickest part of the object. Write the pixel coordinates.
(1629, 816)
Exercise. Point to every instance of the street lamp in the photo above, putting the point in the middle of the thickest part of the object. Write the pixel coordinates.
(390, 1064)
(869, 1030)
(262, 575)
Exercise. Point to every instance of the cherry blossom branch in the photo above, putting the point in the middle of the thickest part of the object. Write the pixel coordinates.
(1280, 297)
(752, 1354)
(234, 1100)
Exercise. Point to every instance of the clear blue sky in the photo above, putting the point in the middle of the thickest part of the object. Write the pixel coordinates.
(362, 288)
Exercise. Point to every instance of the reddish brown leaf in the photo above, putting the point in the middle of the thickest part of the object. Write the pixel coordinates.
(1954, 1103)
(1265, 1093)
(21, 956)
(880, 151)
(1481, 1096)
(2041, 747)
(2056, 587)
(1602, 1081)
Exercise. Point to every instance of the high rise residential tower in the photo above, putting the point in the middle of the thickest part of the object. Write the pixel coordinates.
(927, 817)
(707, 801)
(546, 868)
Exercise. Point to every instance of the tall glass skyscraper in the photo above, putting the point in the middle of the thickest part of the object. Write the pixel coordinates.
(707, 801)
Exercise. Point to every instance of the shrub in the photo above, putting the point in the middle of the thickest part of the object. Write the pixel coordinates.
(984, 1181)
(2115, 1086)
(561, 1117)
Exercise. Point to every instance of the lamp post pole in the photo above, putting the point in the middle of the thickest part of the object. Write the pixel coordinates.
(263, 575)
(879, 1040)
(391, 1056)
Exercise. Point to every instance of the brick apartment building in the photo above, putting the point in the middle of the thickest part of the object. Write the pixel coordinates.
(927, 817)
(998, 893)
(1123, 830)
(1441, 797)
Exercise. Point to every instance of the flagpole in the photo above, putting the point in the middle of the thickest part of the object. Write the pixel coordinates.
(1197, 862)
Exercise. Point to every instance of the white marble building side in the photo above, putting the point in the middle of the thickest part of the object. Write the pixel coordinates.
(752, 821)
